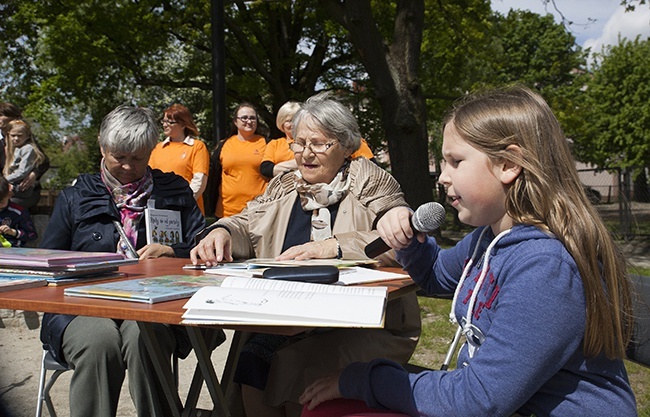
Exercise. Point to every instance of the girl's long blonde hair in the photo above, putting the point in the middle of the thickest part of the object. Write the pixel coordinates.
(548, 194)
(19, 123)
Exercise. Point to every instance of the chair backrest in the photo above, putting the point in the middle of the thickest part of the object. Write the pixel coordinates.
(639, 348)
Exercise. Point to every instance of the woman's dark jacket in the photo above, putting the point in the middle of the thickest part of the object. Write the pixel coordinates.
(82, 220)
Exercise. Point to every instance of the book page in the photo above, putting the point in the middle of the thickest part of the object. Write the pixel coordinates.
(339, 263)
(286, 306)
(360, 275)
(296, 286)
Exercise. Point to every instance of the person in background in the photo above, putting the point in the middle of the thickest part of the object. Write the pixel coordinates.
(325, 209)
(182, 152)
(235, 164)
(9, 112)
(103, 212)
(540, 291)
(365, 152)
(16, 226)
(23, 156)
(278, 158)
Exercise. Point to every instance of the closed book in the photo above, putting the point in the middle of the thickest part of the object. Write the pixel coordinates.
(57, 258)
(146, 290)
(163, 226)
(10, 282)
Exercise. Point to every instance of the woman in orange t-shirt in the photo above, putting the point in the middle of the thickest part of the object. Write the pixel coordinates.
(237, 163)
(278, 158)
(182, 152)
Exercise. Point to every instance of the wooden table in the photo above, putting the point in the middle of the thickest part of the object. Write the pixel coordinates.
(50, 299)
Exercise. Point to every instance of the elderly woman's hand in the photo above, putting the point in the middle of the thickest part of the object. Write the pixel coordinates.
(328, 248)
(394, 228)
(155, 250)
(213, 248)
(323, 389)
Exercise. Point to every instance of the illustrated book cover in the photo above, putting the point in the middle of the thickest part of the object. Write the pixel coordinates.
(163, 226)
(146, 290)
(255, 301)
(10, 282)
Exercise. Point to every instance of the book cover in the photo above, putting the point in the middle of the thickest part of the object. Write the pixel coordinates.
(102, 276)
(254, 301)
(54, 274)
(10, 282)
(53, 258)
(146, 290)
(163, 226)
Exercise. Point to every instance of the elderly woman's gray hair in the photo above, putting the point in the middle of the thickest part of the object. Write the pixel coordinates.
(128, 130)
(332, 118)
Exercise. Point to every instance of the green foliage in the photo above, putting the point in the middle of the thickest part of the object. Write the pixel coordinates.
(617, 107)
(69, 62)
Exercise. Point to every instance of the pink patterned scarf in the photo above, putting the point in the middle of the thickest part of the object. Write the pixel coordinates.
(131, 200)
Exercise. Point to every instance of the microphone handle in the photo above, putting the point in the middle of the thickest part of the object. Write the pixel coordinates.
(376, 248)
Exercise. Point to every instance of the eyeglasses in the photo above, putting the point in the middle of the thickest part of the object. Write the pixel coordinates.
(247, 118)
(168, 122)
(298, 147)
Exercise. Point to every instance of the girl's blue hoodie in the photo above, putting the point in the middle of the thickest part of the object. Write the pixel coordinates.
(527, 324)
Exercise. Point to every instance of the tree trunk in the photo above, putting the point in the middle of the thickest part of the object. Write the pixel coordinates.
(393, 70)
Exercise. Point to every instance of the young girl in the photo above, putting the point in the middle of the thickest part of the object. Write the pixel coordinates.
(540, 289)
(16, 226)
(22, 156)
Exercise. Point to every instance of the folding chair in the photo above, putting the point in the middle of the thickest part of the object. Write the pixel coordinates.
(639, 348)
(49, 364)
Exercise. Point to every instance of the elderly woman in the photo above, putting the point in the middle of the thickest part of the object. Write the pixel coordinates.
(325, 209)
(278, 157)
(87, 217)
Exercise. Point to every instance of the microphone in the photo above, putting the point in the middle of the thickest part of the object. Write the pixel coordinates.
(427, 218)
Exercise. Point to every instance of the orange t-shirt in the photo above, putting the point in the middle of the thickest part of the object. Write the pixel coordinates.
(364, 150)
(241, 180)
(278, 151)
(182, 158)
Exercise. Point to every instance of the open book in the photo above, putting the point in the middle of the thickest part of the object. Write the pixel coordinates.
(256, 301)
(348, 275)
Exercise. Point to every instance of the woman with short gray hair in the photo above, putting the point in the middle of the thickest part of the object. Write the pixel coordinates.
(103, 212)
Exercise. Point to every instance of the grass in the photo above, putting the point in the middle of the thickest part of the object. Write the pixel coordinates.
(437, 333)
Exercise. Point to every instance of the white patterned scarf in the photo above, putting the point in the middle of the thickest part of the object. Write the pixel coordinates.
(319, 197)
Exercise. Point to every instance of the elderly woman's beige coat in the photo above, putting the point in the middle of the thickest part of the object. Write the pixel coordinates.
(259, 231)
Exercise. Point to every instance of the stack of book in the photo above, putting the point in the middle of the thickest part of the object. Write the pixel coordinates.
(32, 267)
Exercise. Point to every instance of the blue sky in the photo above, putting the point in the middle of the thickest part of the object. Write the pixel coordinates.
(610, 19)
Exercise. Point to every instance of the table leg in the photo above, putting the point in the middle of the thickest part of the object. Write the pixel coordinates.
(161, 366)
(238, 340)
(209, 375)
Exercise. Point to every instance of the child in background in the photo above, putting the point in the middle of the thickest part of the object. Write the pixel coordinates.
(22, 156)
(539, 288)
(16, 226)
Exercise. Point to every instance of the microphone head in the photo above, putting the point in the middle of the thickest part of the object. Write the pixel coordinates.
(428, 217)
